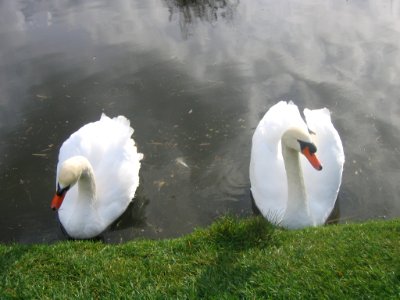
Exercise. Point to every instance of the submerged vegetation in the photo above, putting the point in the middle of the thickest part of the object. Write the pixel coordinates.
(231, 259)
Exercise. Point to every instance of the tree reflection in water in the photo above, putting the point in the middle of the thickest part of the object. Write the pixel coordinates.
(211, 11)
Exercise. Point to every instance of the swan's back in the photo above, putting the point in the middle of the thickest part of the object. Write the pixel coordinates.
(108, 146)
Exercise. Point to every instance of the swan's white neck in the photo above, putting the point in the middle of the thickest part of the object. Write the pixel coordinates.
(297, 212)
(82, 215)
(86, 183)
(78, 169)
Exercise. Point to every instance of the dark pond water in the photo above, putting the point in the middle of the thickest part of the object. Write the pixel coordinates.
(194, 78)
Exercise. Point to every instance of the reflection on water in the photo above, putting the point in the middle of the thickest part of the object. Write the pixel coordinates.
(190, 11)
(194, 78)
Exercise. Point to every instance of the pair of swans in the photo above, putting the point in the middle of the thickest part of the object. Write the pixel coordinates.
(98, 171)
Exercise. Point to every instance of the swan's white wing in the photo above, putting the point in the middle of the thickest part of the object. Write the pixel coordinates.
(117, 173)
(268, 178)
(267, 170)
(323, 186)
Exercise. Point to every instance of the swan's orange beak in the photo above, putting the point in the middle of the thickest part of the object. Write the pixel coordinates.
(59, 197)
(312, 158)
(57, 201)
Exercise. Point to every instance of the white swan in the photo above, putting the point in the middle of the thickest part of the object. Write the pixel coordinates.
(287, 189)
(103, 160)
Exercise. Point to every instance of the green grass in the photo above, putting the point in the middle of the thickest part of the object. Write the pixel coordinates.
(232, 259)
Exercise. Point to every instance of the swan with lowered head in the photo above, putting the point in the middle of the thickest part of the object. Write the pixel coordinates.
(290, 185)
(97, 176)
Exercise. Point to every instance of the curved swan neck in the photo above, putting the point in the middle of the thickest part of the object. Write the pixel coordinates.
(297, 204)
(86, 182)
(78, 170)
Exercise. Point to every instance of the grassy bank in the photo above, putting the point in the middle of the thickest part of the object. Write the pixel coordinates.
(232, 259)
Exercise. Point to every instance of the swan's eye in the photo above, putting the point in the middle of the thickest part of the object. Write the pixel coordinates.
(311, 147)
(62, 191)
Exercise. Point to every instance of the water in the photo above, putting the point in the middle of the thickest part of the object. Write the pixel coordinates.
(194, 78)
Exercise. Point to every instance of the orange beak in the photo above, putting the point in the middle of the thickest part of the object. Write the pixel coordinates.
(57, 201)
(312, 158)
